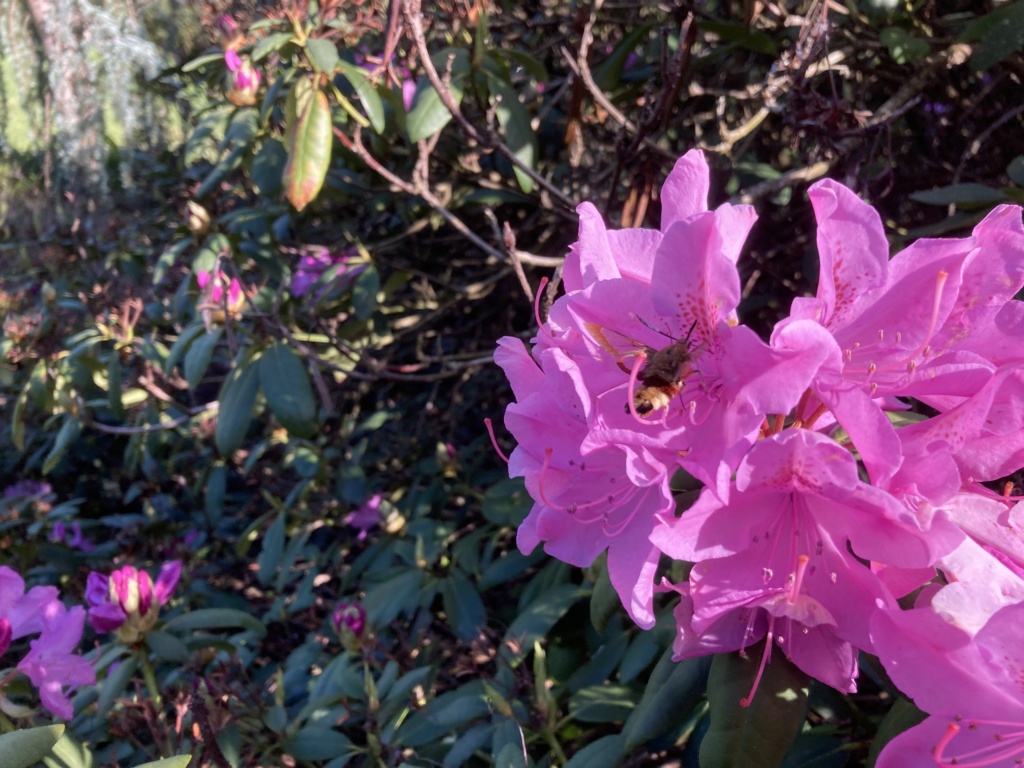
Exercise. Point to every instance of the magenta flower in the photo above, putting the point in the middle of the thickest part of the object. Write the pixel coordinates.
(366, 516)
(243, 80)
(777, 557)
(22, 611)
(213, 286)
(349, 617)
(74, 538)
(318, 262)
(971, 686)
(127, 602)
(51, 664)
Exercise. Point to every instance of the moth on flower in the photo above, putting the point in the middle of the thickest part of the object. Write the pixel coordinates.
(662, 373)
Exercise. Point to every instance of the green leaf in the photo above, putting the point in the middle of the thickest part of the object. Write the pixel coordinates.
(181, 345)
(602, 703)
(523, 59)
(215, 618)
(27, 746)
(1015, 170)
(237, 398)
(903, 46)
(323, 53)
(168, 762)
(273, 548)
(308, 141)
(1000, 34)
(539, 617)
(269, 44)
(285, 384)
(364, 292)
(197, 359)
(268, 169)
(384, 601)
(515, 126)
(68, 433)
(428, 114)
(313, 743)
(115, 684)
(742, 35)
(960, 194)
(367, 94)
(760, 735)
(902, 716)
(606, 752)
(673, 689)
(114, 401)
(202, 61)
(166, 646)
(604, 601)
(464, 608)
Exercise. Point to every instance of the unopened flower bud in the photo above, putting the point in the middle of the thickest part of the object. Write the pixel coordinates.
(243, 80)
(128, 601)
(198, 219)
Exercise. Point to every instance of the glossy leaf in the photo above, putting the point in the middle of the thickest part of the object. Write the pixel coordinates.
(215, 618)
(673, 689)
(464, 608)
(367, 94)
(285, 384)
(67, 435)
(273, 548)
(116, 683)
(308, 142)
(760, 735)
(314, 743)
(539, 617)
(323, 53)
(429, 114)
(606, 752)
(197, 358)
(237, 398)
(27, 746)
(515, 129)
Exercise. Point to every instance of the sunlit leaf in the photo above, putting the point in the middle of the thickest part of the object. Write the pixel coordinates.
(308, 141)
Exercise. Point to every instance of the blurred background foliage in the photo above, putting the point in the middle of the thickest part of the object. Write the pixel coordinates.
(250, 326)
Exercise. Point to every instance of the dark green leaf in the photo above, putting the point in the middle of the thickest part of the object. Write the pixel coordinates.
(507, 744)
(268, 169)
(515, 126)
(606, 752)
(539, 617)
(960, 194)
(1000, 34)
(215, 618)
(1015, 170)
(237, 398)
(902, 716)
(115, 684)
(604, 601)
(759, 735)
(197, 359)
(285, 384)
(467, 744)
(903, 46)
(507, 502)
(673, 689)
(269, 44)
(314, 743)
(464, 608)
(202, 61)
(181, 345)
(383, 602)
(273, 548)
(67, 435)
(364, 293)
(166, 646)
(742, 35)
(603, 703)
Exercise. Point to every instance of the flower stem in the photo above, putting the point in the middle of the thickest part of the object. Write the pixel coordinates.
(149, 676)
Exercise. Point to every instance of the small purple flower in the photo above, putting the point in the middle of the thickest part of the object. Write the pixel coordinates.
(128, 601)
(73, 538)
(317, 261)
(27, 489)
(366, 517)
(350, 617)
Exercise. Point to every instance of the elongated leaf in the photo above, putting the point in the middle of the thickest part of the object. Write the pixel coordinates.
(515, 125)
(215, 618)
(760, 735)
(429, 114)
(116, 684)
(465, 609)
(960, 194)
(323, 53)
(367, 94)
(168, 762)
(68, 433)
(26, 747)
(673, 690)
(901, 717)
(539, 617)
(273, 547)
(606, 752)
(181, 345)
(166, 646)
(312, 743)
(197, 358)
(286, 386)
(269, 44)
(308, 142)
(237, 397)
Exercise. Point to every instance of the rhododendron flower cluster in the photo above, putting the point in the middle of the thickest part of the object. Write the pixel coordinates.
(50, 662)
(243, 80)
(841, 460)
(128, 601)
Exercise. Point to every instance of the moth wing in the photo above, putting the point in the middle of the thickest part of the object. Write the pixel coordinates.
(613, 342)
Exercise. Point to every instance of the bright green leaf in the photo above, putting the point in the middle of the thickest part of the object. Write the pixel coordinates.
(27, 746)
(308, 141)
(367, 94)
(323, 53)
(168, 762)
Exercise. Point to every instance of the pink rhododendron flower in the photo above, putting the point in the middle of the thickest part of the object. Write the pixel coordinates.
(971, 686)
(782, 546)
(128, 601)
(51, 664)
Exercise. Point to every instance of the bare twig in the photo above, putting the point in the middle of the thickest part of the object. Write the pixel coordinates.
(787, 179)
(414, 19)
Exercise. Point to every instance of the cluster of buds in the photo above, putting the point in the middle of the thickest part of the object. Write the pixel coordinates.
(243, 80)
(790, 544)
(128, 601)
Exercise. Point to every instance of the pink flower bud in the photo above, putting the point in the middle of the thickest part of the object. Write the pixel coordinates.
(349, 618)
(128, 602)
(243, 80)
